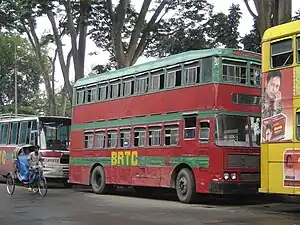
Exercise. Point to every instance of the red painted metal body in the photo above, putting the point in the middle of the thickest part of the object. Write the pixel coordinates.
(210, 97)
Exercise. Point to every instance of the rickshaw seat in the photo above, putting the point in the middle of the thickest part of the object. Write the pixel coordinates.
(23, 166)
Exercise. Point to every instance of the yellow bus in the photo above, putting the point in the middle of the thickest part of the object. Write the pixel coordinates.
(280, 124)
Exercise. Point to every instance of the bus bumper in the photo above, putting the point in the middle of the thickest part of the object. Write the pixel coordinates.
(58, 172)
(232, 188)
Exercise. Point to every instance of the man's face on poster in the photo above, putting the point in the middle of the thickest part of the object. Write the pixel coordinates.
(272, 87)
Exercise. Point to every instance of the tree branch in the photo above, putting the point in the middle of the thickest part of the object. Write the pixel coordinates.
(138, 28)
(143, 41)
(250, 10)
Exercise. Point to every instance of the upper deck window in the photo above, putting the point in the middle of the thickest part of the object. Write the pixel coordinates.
(191, 73)
(255, 75)
(235, 72)
(115, 89)
(207, 70)
(173, 77)
(158, 80)
(298, 49)
(91, 94)
(80, 96)
(142, 83)
(128, 87)
(103, 92)
(282, 53)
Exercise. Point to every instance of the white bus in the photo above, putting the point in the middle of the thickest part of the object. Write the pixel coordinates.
(51, 133)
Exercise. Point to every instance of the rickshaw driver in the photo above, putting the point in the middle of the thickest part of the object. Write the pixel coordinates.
(34, 159)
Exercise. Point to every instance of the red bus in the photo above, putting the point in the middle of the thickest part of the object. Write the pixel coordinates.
(188, 121)
(51, 133)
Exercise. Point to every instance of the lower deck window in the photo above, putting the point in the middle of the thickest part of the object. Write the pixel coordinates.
(125, 138)
(190, 127)
(154, 137)
(139, 137)
(99, 140)
(88, 140)
(171, 135)
(204, 132)
(112, 139)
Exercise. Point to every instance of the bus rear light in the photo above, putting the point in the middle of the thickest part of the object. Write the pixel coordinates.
(51, 154)
(230, 176)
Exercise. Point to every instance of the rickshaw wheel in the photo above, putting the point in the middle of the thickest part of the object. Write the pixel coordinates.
(42, 186)
(10, 184)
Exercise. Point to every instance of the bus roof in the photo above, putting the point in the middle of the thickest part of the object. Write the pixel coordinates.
(22, 117)
(282, 30)
(167, 61)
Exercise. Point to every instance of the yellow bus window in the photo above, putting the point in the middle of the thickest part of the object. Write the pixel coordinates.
(282, 53)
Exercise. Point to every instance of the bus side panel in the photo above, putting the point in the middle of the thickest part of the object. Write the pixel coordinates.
(281, 171)
(6, 159)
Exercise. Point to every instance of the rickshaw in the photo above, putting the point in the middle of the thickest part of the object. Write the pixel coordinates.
(29, 177)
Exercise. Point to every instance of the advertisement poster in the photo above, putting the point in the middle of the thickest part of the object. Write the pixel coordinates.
(291, 171)
(277, 106)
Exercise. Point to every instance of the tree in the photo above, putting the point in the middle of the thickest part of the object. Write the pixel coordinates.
(252, 40)
(270, 13)
(127, 34)
(222, 29)
(22, 61)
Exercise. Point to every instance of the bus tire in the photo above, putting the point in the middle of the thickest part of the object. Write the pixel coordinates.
(185, 186)
(98, 180)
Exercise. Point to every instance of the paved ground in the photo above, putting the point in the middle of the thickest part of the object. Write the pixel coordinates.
(80, 207)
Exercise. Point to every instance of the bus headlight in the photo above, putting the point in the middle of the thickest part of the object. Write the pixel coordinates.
(233, 176)
(226, 176)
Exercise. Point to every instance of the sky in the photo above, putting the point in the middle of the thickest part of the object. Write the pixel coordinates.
(102, 57)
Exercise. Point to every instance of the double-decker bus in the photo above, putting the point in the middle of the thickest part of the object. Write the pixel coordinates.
(280, 148)
(188, 121)
(51, 133)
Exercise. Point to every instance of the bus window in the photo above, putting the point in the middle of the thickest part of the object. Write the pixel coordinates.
(298, 49)
(128, 87)
(298, 125)
(234, 72)
(100, 139)
(14, 133)
(4, 133)
(142, 84)
(255, 130)
(91, 94)
(191, 73)
(204, 132)
(139, 137)
(23, 132)
(125, 138)
(171, 135)
(190, 127)
(115, 89)
(157, 80)
(112, 139)
(282, 53)
(232, 130)
(255, 75)
(88, 140)
(154, 136)
(174, 77)
(79, 96)
(103, 92)
(207, 72)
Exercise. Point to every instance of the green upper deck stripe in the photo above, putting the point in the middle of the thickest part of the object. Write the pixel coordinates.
(151, 119)
(163, 62)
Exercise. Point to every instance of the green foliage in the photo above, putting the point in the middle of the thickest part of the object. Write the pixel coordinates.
(23, 60)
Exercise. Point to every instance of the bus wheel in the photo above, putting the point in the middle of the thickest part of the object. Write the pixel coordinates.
(98, 180)
(185, 186)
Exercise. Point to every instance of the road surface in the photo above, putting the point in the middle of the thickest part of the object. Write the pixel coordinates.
(80, 207)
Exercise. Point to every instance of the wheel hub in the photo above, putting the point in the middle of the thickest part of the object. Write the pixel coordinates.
(182, 185)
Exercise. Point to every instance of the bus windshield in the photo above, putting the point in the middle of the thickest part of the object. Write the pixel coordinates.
(56, 133)
(233, 130)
